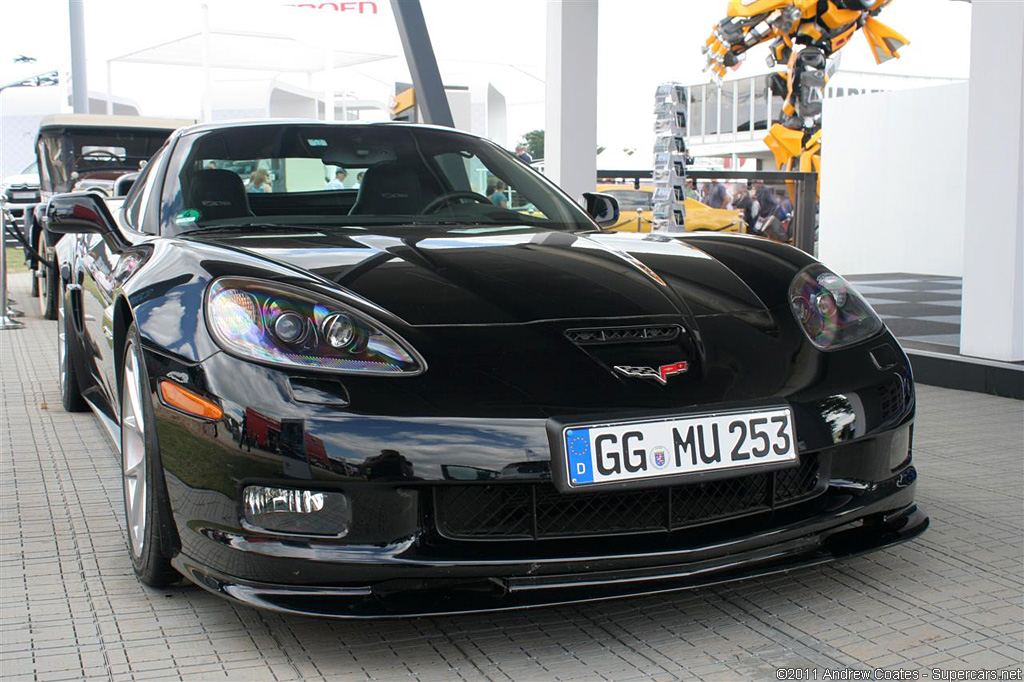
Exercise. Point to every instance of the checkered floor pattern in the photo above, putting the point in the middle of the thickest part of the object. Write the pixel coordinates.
(917, 308)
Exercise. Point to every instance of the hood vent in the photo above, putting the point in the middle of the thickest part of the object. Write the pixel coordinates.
(609, 335)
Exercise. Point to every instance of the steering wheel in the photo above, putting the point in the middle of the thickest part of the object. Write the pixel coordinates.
(449, 196)
(100, 154)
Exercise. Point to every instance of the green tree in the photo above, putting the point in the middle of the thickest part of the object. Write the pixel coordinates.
(535, 143)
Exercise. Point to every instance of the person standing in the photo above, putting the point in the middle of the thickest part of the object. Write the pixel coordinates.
(689, 191)
(339, 179)
(715, 195)
(259, 181)
(498, 196)
(522, 154)
(742, 200)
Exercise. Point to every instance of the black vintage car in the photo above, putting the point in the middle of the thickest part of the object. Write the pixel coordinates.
(84, 153)
(402, 397)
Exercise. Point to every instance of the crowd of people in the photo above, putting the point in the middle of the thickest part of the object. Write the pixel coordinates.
(765, 210)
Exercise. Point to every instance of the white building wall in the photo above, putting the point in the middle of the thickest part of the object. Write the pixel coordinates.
(892, 182)
(993, 300)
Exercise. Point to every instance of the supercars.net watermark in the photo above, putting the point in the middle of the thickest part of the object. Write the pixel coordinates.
(950, 675)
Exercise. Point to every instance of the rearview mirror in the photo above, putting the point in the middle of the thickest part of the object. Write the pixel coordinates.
(603, 208)
(78, 212)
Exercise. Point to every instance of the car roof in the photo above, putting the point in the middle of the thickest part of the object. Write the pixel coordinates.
(113, 121)
(258, 122)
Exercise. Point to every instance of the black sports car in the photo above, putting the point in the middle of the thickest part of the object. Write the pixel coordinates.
(433, 384)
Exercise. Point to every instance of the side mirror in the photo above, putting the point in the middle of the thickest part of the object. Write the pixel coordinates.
(79, 212)
(603, 208)
(123, 184)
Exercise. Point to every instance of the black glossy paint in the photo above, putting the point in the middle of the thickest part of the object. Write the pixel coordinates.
(489, 313)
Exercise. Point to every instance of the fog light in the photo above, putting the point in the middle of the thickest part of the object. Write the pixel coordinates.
(300, 512)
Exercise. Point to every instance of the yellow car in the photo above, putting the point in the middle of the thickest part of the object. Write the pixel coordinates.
(636, 211)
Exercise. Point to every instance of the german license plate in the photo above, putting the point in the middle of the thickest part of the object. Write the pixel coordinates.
(692, 444)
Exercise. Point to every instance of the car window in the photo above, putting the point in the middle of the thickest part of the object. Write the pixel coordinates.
(134, 202)
(55, 173)
(94, 149)
(355, 176)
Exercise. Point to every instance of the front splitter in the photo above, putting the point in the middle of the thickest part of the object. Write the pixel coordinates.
(449, 596)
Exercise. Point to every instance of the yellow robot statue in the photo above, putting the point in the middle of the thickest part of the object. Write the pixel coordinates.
(803, 35)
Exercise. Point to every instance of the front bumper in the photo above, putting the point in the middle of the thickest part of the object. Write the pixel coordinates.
(874, 521)
(401, 559)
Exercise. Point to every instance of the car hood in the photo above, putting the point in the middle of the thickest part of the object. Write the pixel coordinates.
(530, 321)
(475, 275)
(22, 179)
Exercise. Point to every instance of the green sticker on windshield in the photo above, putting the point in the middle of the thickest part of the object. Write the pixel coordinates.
(187, 217)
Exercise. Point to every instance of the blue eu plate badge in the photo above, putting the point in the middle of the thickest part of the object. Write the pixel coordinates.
(577, 444)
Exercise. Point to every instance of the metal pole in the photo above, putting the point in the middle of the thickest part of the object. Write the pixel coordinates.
(803, 218)
(207, 67)
(419, 53)
(735, 111)
(79, 84)
(110, 90)
(753, 110)
(328, 85)
(5, 313)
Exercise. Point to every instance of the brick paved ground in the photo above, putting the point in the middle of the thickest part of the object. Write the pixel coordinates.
(70, 606)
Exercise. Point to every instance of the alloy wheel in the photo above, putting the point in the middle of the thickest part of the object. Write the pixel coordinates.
(62, 349)
(44, 283)
(133, 451)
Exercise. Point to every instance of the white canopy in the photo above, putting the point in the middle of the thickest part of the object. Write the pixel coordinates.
(245, 50)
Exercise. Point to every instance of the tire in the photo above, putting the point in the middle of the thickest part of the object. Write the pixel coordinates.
(28, 227)
(47, 283)
(144, 509)
(70, 390)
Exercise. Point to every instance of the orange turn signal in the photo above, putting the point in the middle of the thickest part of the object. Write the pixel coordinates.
(185, 400)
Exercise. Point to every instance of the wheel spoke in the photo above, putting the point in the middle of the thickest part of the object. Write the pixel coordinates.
(137, 470)
(133, 381)
(139, 500)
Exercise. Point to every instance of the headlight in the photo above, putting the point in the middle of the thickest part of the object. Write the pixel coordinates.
(828, 309)
(284, 325)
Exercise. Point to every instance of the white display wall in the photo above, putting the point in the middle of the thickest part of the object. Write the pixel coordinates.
(892, 182)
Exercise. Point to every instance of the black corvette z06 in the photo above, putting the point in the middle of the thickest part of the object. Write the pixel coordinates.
(364, 370)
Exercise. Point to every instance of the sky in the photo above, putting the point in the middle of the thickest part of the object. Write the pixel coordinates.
(641, 43)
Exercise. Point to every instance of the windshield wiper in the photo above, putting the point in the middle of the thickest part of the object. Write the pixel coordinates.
(266, 226)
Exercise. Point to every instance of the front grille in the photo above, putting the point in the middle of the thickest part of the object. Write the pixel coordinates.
(539, 511)
(24, 197)
(607, 335)
(892, 398)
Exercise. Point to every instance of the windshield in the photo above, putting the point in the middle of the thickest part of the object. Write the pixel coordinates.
(631, 199)
(355, 176)
(112, 148)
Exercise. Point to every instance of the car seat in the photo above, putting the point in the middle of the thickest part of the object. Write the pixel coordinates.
(395, 189)
(218, 194)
